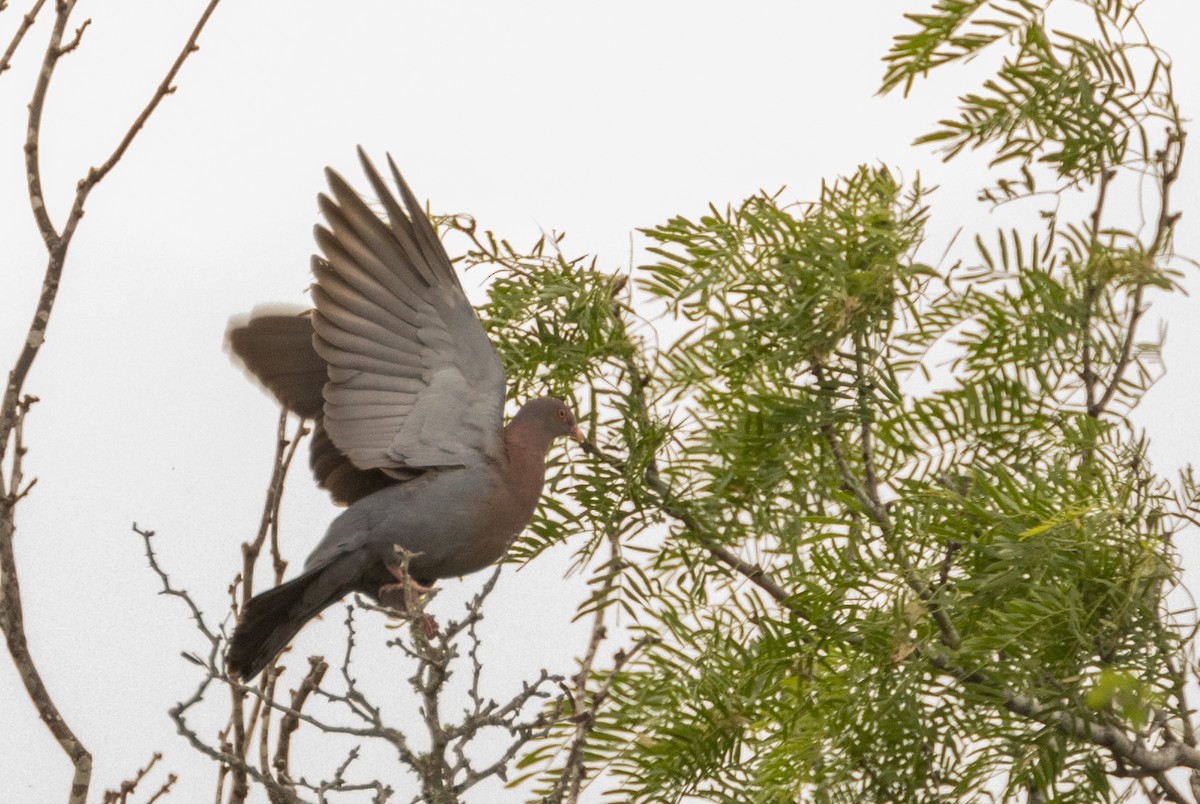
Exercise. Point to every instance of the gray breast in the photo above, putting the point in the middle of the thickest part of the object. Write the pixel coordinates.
(443, 517)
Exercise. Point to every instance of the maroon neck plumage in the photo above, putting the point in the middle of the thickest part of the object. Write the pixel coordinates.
(526, 442)
(527, 438)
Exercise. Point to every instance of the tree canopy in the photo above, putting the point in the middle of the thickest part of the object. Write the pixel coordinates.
(885, 529)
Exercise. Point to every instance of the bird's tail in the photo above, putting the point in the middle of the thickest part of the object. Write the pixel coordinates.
(270, 620)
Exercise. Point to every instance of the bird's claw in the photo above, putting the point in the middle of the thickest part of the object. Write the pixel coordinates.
(403, 596)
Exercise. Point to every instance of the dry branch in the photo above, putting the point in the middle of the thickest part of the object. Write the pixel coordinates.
(444, 772)
(26, 23)
(129, 786)
(12, 409)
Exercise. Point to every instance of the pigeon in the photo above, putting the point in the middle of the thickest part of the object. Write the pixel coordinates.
(406, 398)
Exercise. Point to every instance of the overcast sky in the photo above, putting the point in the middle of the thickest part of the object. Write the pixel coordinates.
(593, 119)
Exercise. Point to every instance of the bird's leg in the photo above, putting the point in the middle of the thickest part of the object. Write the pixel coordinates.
(404, 595)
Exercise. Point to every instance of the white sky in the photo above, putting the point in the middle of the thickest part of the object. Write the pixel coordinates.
(591, 119)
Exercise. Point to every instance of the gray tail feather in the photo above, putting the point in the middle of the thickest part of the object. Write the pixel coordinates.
(270, 620)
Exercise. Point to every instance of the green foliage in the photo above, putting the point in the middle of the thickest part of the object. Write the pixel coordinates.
(891, 528)
(1074, 102)
(954, 31)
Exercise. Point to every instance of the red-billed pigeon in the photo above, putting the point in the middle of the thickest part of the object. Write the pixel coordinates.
(406, 395)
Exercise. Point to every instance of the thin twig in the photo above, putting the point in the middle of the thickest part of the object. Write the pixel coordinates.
(1169, 162)
(290, 722)
(165, 87)
(121, 794)
(57, 242)
(285, 450)
(26, 23)
(675, 508)
(569, 783)
(75, 40)
(224, 758)
(164, 790)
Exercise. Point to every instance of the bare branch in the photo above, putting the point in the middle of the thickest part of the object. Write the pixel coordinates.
(75, 40)
(121, 795)
(238, 772)
(1169, 790)
(569, 784)
(285, 450)
(12, 622)
(290, 721)
(57, 242)
(12, 412)
(242, 724)
(26, 23)
(1131, 750)
(166, 87)
(13, 626)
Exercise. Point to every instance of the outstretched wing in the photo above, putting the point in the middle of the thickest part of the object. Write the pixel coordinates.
(275, 346)
(413, 381)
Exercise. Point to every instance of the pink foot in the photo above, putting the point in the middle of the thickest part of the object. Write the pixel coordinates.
(403, 596)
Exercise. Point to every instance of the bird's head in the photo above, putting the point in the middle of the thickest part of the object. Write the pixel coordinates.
(550, 417)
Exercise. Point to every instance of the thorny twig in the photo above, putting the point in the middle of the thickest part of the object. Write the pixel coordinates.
(444, 776)
(129, 786)
(445, 770)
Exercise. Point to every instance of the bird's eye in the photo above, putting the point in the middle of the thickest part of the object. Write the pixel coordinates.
(562, 413)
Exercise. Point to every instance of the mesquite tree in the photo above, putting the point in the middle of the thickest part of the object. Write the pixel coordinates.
(886, 529)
